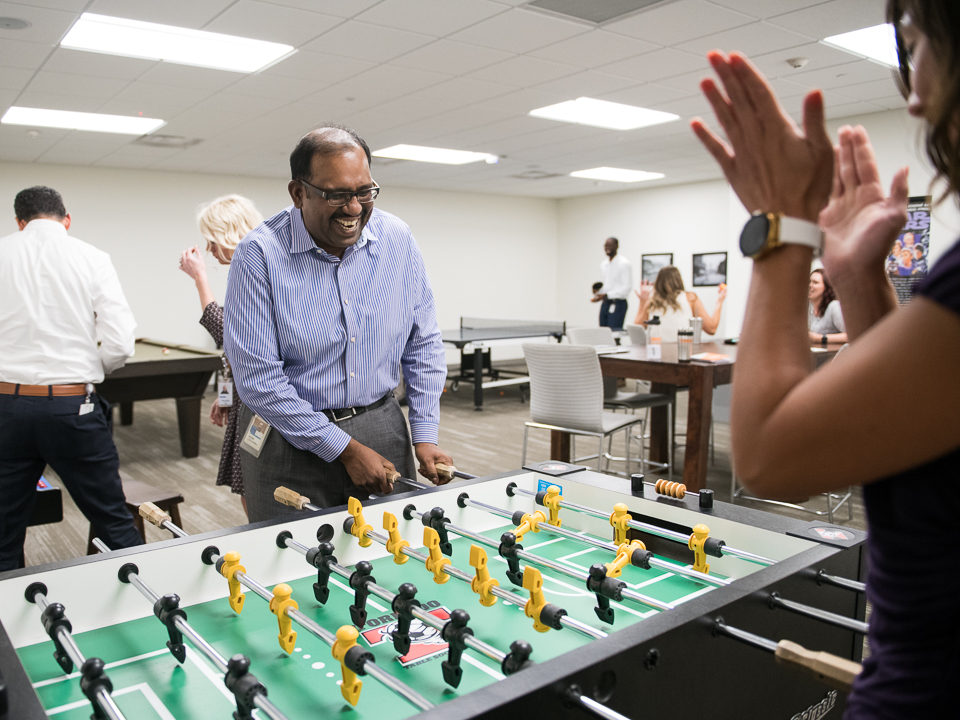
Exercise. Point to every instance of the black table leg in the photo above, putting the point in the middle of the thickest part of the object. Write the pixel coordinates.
(126, 413)
(188, 420)
(477, 379)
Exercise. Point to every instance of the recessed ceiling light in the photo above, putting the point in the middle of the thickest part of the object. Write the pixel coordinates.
(69, 120)
(617, 175)
(601, 113)
(132, 38)
(434, 155)
(877, 43)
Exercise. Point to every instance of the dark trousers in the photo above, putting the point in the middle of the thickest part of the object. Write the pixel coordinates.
(612, 314)
(40, 431)
(327, 484)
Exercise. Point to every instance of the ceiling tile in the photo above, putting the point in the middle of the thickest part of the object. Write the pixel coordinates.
(754, 39)
(46, 26)
(818, 56)
(836, 76)
(78, 62)
(273, 86)
(833, 18)
(589, 83)
(14, 78)
(383, 83)
(854, 108)
(524, 71)
(454, 57)
(468, 90)
(318, 69)
(180, 13)
(135, 156)
(275, 23)
(766, 8)
(520, 31)
(102, 88)
(440, 17)
(58, 101)
(338, 8)
(675, 22)
(166, 73)
(17, 146)
(153, 100)
(26, 55)
(594, 48)
(648, 95)
(657, 65)
(884, 89)
(368, 42)
(75, 5)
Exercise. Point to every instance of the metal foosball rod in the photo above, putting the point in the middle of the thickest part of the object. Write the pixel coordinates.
(353, 659)
(835, 671)
(673, 535)
(404, 605)
(464, 500)
(93, 681)
(441, 568)
(410, 512)
(847, 584)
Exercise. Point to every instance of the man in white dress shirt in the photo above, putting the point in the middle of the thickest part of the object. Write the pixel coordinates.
(58, 297)
(617, 278)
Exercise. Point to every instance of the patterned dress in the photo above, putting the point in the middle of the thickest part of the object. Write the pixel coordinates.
(229, 473)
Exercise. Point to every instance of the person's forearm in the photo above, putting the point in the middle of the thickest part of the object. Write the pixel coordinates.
(712, 323)
(642, 313)
(206, 294)
(864, 300)
(774, 353)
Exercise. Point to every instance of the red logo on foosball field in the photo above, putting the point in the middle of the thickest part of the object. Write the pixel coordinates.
(833, 534)
(425, 641)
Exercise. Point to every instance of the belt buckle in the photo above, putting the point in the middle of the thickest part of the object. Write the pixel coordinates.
(350, 412)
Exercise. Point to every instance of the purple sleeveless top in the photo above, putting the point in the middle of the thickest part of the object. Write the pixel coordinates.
(914, 580)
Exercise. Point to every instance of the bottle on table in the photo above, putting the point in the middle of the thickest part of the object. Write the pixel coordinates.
(654, 337)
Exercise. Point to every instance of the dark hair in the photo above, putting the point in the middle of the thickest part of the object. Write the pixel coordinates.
(325, 139)
(596, 286)
(38, 201)
(829, 294)
(939, 20)
(616, 242)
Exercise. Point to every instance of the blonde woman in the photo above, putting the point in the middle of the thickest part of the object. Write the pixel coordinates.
(223, 223)
(667, 299)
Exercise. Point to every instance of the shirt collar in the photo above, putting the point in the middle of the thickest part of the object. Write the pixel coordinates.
(300, 240)
(46, 225)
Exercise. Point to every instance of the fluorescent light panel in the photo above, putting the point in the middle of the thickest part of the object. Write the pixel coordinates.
(617, 175)
(69, 120)
(877, 43)
(604, 114)
(132, 38)
(420, 153)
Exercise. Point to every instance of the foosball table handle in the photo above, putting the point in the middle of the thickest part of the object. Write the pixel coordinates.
(832, 670)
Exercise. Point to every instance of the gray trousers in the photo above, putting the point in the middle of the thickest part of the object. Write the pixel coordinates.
(327, 484)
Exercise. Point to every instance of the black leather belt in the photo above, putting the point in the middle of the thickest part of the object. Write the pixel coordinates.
(347, 413)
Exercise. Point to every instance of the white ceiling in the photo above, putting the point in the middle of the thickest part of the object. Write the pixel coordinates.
(449, 73)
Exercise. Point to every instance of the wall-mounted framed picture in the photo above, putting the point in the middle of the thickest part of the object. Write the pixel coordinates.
(650, 265)
(709, 269)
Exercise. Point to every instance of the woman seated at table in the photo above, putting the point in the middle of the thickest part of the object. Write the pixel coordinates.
(667, 299)
(223, 223)
(824, 319)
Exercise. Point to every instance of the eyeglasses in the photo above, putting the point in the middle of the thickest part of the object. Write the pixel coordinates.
(339, 199)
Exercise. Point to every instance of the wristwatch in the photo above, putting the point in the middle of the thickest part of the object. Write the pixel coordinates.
(767, 231)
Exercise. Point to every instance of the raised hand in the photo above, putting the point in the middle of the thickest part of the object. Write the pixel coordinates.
(771, 164)
(191, 262)
(860, 223)
(645, 292)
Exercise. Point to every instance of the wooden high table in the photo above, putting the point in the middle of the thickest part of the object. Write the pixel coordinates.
(665, 376)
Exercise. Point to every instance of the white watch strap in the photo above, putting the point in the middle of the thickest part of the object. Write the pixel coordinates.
(800, 232)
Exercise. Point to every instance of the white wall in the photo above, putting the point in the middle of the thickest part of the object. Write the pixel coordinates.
(708, 217)
(486, 255)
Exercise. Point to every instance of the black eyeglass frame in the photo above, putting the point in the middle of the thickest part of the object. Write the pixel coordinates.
(346, 195)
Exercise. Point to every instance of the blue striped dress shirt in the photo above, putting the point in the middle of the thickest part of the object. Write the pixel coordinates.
(305, 331)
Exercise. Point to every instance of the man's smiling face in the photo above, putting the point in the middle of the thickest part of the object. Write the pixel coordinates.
(334, 229)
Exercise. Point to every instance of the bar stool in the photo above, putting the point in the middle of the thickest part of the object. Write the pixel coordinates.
(138, 493)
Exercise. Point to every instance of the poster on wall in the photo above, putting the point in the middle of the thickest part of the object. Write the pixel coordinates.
(907, 263)
(650, 265)
(709, 269)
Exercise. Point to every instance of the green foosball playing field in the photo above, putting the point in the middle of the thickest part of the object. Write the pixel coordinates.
(149, 682)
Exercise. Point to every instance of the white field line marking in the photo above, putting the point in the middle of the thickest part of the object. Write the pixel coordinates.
(151, 697)
(480, 666)
(651, 581)
(118, 663)
(371, 603)
(211, 674)
(692, 595)
(547, 577)
(543, 544)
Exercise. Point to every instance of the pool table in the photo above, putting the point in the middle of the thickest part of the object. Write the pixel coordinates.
(183, 372)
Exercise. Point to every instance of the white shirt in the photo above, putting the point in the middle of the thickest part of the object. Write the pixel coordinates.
(617, 278)
(58, 296)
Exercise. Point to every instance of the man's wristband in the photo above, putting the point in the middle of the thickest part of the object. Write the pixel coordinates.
(823, 340)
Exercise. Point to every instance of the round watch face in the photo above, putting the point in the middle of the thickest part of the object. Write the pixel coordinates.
(754, 235)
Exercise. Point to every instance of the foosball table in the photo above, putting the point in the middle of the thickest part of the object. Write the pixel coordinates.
(552, 591)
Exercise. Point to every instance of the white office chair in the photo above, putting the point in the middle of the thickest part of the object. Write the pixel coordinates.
(615, 399)
(637, 334)
(566, 394)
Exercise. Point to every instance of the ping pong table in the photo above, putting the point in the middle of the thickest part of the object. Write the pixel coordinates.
(476, 336)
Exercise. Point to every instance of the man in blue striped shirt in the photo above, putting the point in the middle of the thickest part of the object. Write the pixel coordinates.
(327, 302)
